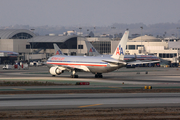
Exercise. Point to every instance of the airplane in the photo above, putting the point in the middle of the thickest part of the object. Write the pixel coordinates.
(130, 59)
(57, 50)
(91, 51)
(94, 64)
(9, 53)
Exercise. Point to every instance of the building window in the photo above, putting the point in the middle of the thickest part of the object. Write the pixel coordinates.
(131, 47)
(22, 36)
(164, 55)
(167, 55)
(27, 46)
(102, 46)
(80, 46)
(171, 55)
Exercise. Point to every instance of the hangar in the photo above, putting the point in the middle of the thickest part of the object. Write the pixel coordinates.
(14, 40)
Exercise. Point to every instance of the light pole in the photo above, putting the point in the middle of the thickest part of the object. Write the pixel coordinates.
(32, 39)
(178, 32)
(94, 30)
(80, 39)
(87, 32)
(164, 34)
(32, 44)
(113, 32)
(141, 39)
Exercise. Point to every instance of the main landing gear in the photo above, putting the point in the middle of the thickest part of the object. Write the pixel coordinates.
(98, 75)
(73, 75)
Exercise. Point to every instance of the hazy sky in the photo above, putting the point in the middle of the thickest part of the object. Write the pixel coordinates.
(87, 12)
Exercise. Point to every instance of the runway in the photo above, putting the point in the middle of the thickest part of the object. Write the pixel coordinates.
(121, 79)
(100, 100)
(134, 76)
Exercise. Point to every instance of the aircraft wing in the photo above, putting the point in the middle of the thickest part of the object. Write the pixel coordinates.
(116, 62)
(74, 67)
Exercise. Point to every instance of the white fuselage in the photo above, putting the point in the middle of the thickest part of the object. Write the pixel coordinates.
(93, 64)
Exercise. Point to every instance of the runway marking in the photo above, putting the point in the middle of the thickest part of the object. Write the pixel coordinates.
(89, 105)
(18, 89)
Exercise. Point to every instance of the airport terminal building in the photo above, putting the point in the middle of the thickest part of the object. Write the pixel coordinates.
(32, 47)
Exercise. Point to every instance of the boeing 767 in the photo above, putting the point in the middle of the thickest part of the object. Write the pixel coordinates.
(94, 64)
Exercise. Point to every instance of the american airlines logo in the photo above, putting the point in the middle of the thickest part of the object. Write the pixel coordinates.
(119, 50)
(58, 52)
(92, 50)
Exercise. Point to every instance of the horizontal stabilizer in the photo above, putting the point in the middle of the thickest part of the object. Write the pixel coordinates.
(141, 62)
(117, 62)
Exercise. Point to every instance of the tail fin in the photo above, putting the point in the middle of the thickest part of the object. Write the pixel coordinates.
(120, 50)
(57, 50)
(91, 50)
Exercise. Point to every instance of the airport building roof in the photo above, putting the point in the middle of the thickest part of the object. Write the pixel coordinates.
(146, 38)
(51, 39)
(16, 34)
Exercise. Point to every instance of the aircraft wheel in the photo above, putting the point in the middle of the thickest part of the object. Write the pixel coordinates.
(53, 76)
(98, 76)
(74, 76)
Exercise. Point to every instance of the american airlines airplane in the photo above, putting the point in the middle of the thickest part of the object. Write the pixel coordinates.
(130, 59)
(57, 50)
(94, 64)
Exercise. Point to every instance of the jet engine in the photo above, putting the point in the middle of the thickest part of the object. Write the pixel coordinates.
(55, 70)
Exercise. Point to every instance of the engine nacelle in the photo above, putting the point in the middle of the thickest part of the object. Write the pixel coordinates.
(55, 70)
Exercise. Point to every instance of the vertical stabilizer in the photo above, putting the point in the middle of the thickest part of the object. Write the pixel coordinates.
(91, 50)
(120, 50)
(57, 50)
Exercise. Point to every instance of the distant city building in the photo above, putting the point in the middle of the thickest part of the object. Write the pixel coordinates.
(135, 35)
